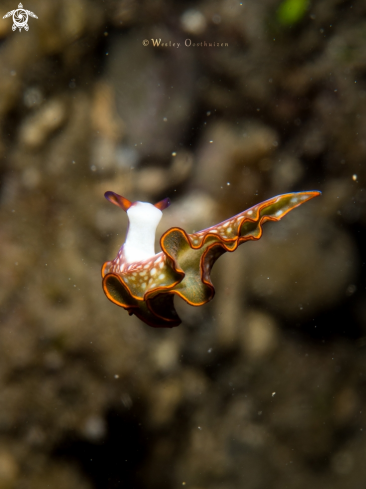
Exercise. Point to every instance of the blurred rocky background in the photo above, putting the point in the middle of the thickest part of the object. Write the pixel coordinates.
(265, 387)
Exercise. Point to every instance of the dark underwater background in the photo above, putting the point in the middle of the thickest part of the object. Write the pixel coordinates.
(265, 386)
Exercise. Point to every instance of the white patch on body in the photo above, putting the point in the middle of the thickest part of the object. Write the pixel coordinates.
(140, 240)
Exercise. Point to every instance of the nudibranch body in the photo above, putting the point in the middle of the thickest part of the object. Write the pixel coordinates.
(144, 283)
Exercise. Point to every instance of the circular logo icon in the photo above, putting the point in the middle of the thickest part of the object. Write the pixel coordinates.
(20, 19)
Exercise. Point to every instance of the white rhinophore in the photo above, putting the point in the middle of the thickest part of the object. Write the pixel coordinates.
(140, 240)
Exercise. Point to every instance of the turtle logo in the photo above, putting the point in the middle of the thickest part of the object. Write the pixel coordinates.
(20, 17)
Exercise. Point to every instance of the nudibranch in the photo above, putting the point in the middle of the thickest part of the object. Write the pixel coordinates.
(144, 283)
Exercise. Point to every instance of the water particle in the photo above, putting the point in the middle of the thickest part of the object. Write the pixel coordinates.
(351, 289)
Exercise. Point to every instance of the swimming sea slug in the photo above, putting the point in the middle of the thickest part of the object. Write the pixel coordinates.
(145, 283)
